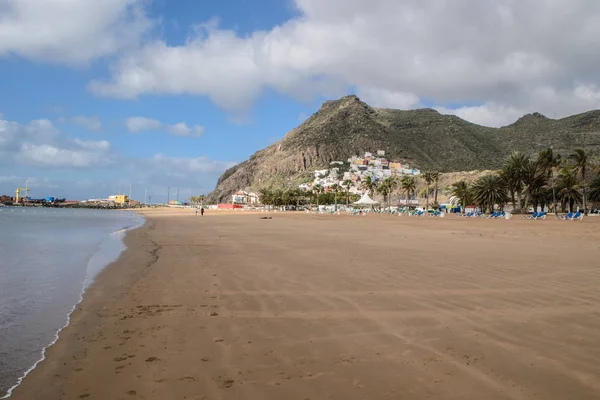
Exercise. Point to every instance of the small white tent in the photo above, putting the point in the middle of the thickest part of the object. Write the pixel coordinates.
(365, 200)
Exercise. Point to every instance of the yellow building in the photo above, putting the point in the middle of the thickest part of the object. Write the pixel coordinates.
(119, 198)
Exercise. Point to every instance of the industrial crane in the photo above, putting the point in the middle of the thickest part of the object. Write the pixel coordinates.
(18, 193)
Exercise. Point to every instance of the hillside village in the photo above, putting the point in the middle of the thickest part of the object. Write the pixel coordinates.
(375, 166)
(355, 169)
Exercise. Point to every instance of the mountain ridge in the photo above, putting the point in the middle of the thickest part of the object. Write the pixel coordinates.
(422, 137)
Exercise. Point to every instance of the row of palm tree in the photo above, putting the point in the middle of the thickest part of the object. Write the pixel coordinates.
(547, 180)
(197, 200)
(279, 197)
(407, 184)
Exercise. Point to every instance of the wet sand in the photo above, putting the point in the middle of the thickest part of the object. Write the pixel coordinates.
(336, 307)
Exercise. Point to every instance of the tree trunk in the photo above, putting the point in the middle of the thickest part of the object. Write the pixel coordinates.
(514, 201)
(554, 196)
(584, 205)
(427, 198)
(347, 197)
(519, 199)
(571, 205)
(435, 193)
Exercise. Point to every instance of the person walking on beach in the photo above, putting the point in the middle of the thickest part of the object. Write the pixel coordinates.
(196, 211)
(202, 212)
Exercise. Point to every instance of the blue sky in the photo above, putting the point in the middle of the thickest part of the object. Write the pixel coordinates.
(161, 93)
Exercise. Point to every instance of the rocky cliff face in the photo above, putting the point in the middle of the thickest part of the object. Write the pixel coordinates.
(424, 138)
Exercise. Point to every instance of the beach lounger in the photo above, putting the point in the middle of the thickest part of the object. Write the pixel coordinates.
(566, 217)
(541, 215)
(498, 214)
(532, 216)
(578, 215)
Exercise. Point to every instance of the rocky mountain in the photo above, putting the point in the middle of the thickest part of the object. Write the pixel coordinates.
(424, 138)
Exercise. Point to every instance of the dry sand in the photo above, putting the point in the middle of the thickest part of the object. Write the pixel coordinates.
(336, 307)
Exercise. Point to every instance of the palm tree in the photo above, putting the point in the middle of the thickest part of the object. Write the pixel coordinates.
(392, 183)
(194, 200)
(428, 178)
(568, 190)
(408, 184)
(462, 191)
(347, 184)
(490, 190)
(594, 194)
(549, 162)
(534, 181)
(506, 174)
(581, 161)
(436, 178)
(369, 185)
(335, 188)
(512, 174)
(317, 190)
(266, 197)
(294, 196)
(384, 190)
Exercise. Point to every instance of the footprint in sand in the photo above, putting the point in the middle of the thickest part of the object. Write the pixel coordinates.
(132, 393)
(151, 359)
(227, 383)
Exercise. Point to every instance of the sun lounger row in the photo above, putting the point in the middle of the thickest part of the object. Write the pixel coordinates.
(496, 215)
(572, 216)
(536, 215)
(477, 214)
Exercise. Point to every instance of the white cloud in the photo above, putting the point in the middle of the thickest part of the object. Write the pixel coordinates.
(181, 129)
(139, 124)
(388, 99)
(72, 32)
(499, 55)
(189, 165)
(93, 145)
(490, 114)
(53, 156)
(79, 169)
(40, 144)
(89, 123)
(9, 178)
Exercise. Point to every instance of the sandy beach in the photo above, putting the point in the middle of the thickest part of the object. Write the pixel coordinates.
(230, 306)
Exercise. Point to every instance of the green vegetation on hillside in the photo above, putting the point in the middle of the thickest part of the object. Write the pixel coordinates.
(422, 138)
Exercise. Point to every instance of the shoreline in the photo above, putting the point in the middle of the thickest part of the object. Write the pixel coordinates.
(301, 306)
(87, 285)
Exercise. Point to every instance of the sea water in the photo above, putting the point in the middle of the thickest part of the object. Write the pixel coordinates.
(48, 257)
